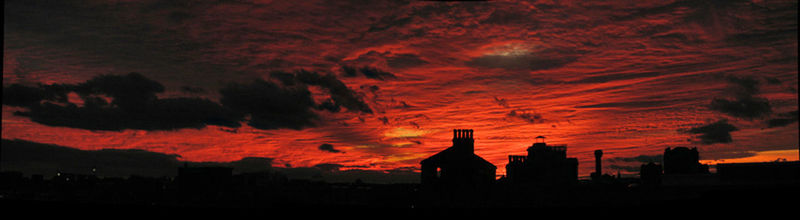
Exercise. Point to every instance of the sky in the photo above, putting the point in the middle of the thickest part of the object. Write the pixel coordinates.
(379, 86)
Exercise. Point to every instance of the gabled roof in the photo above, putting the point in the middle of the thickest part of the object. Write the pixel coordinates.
(450, 154)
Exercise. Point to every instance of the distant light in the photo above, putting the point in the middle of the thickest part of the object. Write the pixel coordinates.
(512, 49)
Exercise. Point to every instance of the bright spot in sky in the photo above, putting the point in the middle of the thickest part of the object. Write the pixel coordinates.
(511, 49)
(404, 133)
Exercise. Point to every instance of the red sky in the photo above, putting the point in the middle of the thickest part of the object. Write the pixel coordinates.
(630, 78)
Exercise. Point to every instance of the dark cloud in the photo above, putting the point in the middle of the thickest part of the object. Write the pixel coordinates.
(717, 132)
(285, 78)
(391, 60)
(367, 71)
(780, 122)
(501, 101)
(117, 102)
(388, 22)
(384, 119)
(772, 80)
(269, 105)
(340, 94)
(372, 88)
(26, 96)
(744, 104)
(783, 119)
(530, 117)
(329, 105)
(375, 73)
(414, 124)
(130, 92)
(329, 148)
(744, 85)
(510, 16)
(162, 114)
(290, 105)
(349, 71)
(743, 107)
(404, 105)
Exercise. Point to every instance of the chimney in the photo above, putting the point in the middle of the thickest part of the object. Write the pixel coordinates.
(456, 137)
(463, 139)
(598, 162)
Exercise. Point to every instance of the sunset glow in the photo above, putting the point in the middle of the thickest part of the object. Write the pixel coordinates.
(387, 82)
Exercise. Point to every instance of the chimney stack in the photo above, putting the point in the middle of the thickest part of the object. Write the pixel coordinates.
(598, 162)
(463, 139)
(462, 134)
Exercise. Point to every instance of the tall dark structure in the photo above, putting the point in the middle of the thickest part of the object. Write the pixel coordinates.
(544, 165)
(597, 175)
(682, 160)
(457, 167)
(598, 163)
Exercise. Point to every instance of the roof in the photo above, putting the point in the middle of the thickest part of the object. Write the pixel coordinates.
(450, 154)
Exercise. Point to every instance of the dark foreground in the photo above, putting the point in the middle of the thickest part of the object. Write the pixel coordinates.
(310, 197)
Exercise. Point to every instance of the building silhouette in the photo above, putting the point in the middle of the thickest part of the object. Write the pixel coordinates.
(458, 177)
(760, 173)
(682, 167)
(682, 160)
(544, 165)
(650, 174)
(457, 167)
